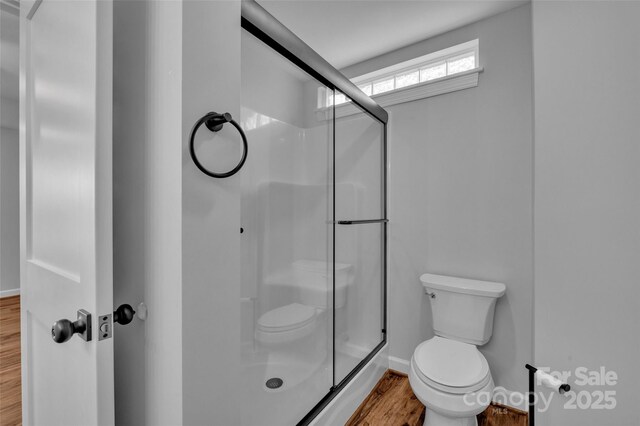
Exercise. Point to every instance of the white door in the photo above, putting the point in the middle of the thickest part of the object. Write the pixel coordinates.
(65, 208)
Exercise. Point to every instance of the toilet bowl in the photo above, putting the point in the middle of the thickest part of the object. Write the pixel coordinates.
(298, 332)
(312, 285)
(286, 324)
(452, 380)
(292, 332)
(448, 374)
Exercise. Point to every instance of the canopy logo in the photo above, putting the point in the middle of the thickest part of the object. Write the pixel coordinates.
(590, 390)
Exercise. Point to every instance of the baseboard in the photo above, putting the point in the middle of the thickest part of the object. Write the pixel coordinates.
(9, 293)
(399, 364)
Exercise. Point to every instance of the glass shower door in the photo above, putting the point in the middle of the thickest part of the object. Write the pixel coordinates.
(359, 239)
(313, 239)
(287, 240)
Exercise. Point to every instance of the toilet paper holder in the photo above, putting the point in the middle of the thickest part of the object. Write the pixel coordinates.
(547, 380)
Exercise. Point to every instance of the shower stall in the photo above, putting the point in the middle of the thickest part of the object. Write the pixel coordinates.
(314, 225)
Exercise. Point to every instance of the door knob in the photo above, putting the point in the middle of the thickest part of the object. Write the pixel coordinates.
(62, 330)
(124, 314)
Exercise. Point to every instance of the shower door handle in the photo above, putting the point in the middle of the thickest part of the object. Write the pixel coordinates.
(358, 222)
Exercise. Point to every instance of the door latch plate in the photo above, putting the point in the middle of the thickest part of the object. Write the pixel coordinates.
(105, 326)
(85, 317)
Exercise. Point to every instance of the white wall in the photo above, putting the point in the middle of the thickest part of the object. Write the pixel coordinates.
(211, 220)
(9, 154)
(460, 189)
(129, 111)
(587, 199)
(148, 210)
(176, 231)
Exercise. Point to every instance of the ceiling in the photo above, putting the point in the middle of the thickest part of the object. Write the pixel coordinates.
(346, 32)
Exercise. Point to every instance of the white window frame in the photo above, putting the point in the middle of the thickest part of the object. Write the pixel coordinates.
(422, 89)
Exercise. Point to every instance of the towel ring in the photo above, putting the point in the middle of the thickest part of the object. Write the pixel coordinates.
(214, 122)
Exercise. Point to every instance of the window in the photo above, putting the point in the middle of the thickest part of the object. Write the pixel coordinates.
(431, 68)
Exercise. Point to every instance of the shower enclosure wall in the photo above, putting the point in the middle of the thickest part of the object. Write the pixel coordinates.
(313, 234)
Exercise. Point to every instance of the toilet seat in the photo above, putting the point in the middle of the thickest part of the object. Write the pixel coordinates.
(286, 318)
(451, 366)
(286, 323)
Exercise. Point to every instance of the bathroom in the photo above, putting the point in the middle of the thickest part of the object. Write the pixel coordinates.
(520, 170)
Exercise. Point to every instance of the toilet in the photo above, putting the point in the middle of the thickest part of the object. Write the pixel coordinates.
(288, 323)
(448, 374)
(297, 329)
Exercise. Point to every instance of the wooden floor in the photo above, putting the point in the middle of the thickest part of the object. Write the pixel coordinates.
(502, 415)
(392, 403)
(10, 389)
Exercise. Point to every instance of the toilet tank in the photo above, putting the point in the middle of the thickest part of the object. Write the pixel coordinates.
(462, 308)
(314, 280)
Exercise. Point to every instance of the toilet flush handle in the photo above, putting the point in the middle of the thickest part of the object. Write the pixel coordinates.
(431, 295)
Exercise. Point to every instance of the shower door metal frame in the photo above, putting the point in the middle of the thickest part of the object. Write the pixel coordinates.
(269, 30)
(257, 21)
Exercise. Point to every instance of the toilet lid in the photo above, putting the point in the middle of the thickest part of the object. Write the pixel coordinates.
(451, 364)
(288, 317)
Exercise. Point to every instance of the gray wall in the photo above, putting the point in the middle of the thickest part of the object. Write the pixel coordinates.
(9, 155)
(587, 199)
(460, 188)
(147, 161)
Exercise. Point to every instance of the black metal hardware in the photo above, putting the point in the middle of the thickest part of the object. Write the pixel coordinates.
(256, 20)
(214, 122)
(359, 222)
(124, 314)
(532, 398)
(63, 330)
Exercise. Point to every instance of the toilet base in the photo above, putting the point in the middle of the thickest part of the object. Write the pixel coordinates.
(431, 418)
